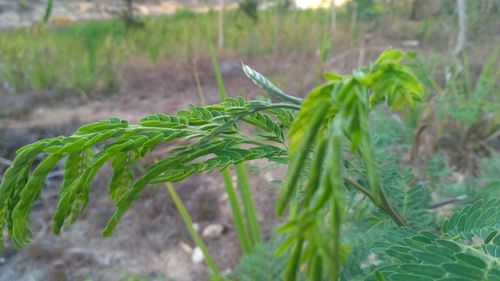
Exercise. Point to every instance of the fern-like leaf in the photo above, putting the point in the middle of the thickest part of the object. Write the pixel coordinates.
(211, 140)
(453, 255)
(262, 264)
(268, 86)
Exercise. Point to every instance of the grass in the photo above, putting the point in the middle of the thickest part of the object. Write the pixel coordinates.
(88, 57)
(194, 234)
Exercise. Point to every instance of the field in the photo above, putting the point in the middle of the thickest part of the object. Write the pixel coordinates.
(432, 159)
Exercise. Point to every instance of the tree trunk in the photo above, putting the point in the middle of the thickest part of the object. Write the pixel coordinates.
(462, 27)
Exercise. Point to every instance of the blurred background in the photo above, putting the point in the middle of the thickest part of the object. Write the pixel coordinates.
(67, 62)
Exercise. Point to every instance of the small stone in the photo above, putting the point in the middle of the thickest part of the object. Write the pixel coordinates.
(269, 176)
(196, 226)
(185, 247)
(213, 231)
(223, 198)
(411, 43)
(197, 256)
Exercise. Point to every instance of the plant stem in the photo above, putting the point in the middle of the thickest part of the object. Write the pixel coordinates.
(236, 212)
(294, 261)
(387, 208)
(218, 74)
(359, 188)
(228, 181)
(384, 205)
(196, 237)
(379, 197)
(201, 93)
(243, 182)
(248, 202)
(336, 213)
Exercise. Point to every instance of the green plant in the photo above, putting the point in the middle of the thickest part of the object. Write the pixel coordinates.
(89, 56)
(466, 249)
(48, 11)
(261, 264)
(194, 234)
(249, 234)
(250, 8)
(462, 117)
(471, 96)
(334, 168)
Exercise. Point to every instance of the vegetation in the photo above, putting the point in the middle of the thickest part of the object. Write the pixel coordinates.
(391, 170)
(88, 56)
(315, 189)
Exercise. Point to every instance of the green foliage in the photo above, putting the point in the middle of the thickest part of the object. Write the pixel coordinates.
(331, 114)
(268, 86)
(81, 58)
(127, 15)
(467, 98)
(364, 223)
(262, 264)
(194, 234)
(213, 127)
(467, 249)
(489, 179)
(89, 56)
(250, 8)
(252, 226)
(466, 118)
(48, 11)
(342, 191)
(366, 9)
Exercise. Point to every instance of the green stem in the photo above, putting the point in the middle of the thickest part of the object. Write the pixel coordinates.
(337, 200)
(218, 74)
(248, 202)
(236, 212)
(388, 209)
(293, 264)
(379, 198)
(294, 208)
(359, 188)
(241, 171)
(243, 182)
(226, 175)
(196, 237)
(336, 229)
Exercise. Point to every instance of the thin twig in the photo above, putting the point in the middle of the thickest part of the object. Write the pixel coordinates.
(447, 201)
(358, 187)
(5, 161)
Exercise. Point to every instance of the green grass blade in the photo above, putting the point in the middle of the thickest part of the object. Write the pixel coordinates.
(218, 74)
(194, 234)
(236, 212)
(243, 183)
(248, 202)
(48, 11)
(297, 161)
